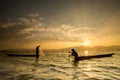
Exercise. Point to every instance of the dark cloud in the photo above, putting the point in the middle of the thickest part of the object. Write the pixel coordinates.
(16, 29)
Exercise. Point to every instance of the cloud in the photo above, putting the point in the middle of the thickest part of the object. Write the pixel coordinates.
(30, 29)
(8, 24)
(33, 15)
(33, 29)
(19, 29)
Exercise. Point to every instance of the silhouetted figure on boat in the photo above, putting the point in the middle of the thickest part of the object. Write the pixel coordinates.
(74, 53)
(77, 58)
(37, 52)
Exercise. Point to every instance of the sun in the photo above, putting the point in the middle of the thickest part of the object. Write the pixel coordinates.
(86, 43)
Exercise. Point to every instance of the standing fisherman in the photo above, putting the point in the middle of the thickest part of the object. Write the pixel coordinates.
(37, 52)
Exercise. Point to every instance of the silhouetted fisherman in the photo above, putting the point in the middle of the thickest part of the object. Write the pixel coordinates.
(37, 52)
(74, 53)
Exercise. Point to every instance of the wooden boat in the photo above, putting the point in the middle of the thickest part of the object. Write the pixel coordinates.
(93, 56)
(25, 55)
(21, 55)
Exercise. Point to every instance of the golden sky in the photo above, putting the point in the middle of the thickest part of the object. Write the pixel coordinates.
(58, 24)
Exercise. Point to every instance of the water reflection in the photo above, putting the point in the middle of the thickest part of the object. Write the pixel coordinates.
(88, 67)
(35, 65)
(36, 60)
(83, 68)
(74, 72)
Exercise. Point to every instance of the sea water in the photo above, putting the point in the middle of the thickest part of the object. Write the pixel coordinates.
(58, 66)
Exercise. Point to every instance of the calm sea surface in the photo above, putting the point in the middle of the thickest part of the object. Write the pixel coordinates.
(58, 66)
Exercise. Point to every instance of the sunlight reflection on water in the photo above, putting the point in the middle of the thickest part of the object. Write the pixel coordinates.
(58, 66)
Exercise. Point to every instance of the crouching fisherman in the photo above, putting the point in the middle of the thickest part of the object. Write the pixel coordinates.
(74, 53)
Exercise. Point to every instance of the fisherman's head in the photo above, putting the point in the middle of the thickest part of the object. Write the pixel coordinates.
(73, 50)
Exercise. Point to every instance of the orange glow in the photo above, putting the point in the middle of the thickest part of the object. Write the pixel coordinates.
(86, 53)
(86, 43)
(61, 44)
